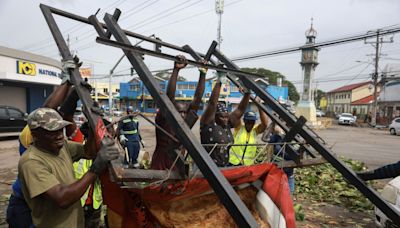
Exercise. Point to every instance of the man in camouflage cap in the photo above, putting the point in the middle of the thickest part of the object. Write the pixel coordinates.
(46, 172)
(46, 118)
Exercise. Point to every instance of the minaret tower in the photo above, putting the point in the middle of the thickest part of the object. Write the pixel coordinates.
(309, 57)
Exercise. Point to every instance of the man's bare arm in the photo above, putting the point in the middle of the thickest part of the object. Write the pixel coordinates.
(234, 117)
(264, 121)
(171, 87)
(198, 94)
(209, 114)
(66, 195)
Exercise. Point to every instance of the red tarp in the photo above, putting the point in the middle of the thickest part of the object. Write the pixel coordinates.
(129, 203)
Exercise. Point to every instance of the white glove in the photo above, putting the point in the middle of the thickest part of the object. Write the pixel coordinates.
(222, 77)
(122, 139)
(66, 66)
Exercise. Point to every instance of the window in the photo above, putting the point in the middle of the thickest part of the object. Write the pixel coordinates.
(192, 86)
(3, 113)
(151, 104)
(15, 113)
(117, 90)
(398, 120)
(234, 89)
(183, 86)
(134, 87)
(105, 90)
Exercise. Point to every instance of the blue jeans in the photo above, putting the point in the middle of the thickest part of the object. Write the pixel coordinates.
(133, 150)
(291, 184)
(18, 213)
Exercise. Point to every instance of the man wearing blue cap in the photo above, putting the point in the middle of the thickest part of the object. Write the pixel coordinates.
(246, 133)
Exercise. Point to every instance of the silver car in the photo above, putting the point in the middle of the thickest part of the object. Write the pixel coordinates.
(346, 118)
(394, 127)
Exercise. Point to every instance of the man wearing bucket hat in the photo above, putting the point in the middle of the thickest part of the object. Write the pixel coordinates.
(46, 172)
(244, 134)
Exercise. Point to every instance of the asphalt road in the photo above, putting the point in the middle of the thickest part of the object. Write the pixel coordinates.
(372, 146)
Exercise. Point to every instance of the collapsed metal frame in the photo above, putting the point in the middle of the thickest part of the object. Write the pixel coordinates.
(295, 128)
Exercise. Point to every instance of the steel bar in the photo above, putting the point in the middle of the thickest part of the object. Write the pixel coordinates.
(140, 50)
(211, 50)
(347, 173)
(289, 148)
(239, 212)
(97, 26)
(76, 78)
(193, 53)
(116, 15)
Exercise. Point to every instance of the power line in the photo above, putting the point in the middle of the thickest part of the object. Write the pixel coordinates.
(321, 44)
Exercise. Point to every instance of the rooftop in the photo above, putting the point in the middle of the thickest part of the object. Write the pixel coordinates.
(349, 87)
(364, 101)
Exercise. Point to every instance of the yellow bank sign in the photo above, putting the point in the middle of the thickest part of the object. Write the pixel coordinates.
(26, 68)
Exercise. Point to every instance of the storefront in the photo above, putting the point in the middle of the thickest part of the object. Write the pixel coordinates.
(26, 79)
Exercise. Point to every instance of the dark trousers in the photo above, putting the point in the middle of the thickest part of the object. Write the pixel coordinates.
(92, 217)
(133, 151)
(18, 213)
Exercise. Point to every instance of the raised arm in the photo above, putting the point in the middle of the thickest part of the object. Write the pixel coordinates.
(171, 88)
(264, 121)
(234, 117)
(209, 114)
(57, 96)
(198, 94)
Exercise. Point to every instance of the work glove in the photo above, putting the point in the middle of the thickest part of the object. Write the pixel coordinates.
(107, 153)
(203, 70)
(68, 65)
(367, 175)
(122, 139)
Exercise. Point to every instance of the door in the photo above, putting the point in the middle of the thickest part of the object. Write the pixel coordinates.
(17, 119)
(4, 122)
(397, 126)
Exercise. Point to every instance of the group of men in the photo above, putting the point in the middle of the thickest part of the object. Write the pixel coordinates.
(52, 191)
(215, 125)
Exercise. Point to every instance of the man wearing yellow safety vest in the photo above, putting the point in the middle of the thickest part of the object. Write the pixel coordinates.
(129, 137)
(245, 134)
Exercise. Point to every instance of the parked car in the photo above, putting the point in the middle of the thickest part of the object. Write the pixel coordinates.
(79, 117)
(347, 118)
(394, 127)
(320, 113)
(12, 120)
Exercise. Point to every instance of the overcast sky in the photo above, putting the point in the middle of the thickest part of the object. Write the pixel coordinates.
(248, 26)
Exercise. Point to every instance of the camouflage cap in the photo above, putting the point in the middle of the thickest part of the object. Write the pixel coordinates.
(46, 118)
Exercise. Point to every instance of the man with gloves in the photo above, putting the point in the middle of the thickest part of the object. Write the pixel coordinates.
(130, 138)
(46, 172)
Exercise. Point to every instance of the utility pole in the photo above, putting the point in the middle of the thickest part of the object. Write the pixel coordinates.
(219, 9)
(377, 44)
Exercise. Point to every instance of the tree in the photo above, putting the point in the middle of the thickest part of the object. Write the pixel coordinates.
(166, 75)
(318, 97)
(272, 77)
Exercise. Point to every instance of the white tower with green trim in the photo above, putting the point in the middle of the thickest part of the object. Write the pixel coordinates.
(309, 57)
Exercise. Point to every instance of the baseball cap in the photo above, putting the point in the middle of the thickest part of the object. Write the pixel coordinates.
(46, 118)
(250, 116)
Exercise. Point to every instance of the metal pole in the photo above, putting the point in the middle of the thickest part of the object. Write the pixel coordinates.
(374, 109)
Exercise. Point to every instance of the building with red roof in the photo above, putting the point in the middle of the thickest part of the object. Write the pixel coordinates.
(355, 98)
